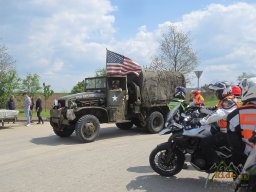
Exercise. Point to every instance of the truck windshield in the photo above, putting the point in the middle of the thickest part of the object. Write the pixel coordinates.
(95, 83)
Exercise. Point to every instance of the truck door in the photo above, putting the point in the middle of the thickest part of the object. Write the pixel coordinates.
(117, 99)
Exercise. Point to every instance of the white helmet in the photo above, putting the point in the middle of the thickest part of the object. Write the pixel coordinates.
(248, 87)
(221, 88)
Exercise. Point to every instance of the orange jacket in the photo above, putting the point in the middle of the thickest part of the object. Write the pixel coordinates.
(199, 99)
(223, 122)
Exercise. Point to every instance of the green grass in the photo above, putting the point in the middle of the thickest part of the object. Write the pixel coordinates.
(44, 113)
(210, 102)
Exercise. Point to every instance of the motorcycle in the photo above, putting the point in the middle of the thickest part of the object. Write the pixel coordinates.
(246, 181)
(167, 159)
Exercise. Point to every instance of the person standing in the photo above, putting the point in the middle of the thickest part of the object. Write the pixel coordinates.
(11, 103)
(39, 109)
(27, 103)
(31, 108)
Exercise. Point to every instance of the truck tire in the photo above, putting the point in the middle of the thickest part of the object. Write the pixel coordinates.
(155, 122)
(87, 128)
(65, 132)
(124, 126)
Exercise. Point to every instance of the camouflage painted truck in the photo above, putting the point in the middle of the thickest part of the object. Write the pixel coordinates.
(141, 101)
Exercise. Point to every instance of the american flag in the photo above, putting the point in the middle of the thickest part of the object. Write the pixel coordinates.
(120, 65)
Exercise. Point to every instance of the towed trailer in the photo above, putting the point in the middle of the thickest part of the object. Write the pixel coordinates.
(8, 116)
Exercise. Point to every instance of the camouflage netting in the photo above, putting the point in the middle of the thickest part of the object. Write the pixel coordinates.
(158, 86)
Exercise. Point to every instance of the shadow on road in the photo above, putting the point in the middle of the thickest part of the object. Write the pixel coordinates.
(153, 183)
(140, 169)
(105, 133)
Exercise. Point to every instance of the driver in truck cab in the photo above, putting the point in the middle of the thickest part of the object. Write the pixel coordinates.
(116, 85)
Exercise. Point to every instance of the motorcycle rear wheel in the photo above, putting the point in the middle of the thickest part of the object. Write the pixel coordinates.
(157, 160)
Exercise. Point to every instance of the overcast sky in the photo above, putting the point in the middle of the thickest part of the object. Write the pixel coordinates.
(65, 41)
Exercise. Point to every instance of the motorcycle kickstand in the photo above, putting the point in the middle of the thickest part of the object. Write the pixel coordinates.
(206, 182)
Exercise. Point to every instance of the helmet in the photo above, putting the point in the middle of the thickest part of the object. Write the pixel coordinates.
(196, 92)
(236, 90)
(221, 88)
(180, 92)
(248, 87)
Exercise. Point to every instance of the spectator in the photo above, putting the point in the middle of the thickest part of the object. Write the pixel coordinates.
(27, 104)
(55, 104)
(11, 103)
(39, 109)
(31, 108)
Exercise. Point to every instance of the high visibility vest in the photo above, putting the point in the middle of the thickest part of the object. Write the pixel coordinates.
(199, 100)
(247, 119)
(223, 124)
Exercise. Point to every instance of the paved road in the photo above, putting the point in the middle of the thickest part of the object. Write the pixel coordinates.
(33, 159)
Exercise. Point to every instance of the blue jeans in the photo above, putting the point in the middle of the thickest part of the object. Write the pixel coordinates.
(27, 115)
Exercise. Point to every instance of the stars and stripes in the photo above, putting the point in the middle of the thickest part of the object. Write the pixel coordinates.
(120, 65)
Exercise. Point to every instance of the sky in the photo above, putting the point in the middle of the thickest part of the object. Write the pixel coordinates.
(65, 41)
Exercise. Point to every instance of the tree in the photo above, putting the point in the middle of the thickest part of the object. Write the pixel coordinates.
(47, 93)
(9, 80)
(175, 53)
(101, 72)
(79, 87)
(245, 75)
(30, 84)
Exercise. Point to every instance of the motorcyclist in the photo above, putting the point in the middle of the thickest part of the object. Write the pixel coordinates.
(242, 122)
(179, 103)
(178, 100)
(198, 99)
(217, 123)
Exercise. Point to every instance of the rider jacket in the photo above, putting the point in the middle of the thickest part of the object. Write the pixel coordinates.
(243, 120)
(198, 100)
(224, 107)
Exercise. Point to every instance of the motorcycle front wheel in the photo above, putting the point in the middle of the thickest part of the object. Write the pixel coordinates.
(165, 161)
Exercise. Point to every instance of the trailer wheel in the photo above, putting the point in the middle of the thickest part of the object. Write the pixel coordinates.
(155, 122)
(87, 128)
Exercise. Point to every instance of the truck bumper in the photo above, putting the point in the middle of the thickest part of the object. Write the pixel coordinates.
(57, 118)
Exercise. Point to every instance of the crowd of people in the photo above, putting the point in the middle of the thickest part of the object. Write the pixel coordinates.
(29, 106)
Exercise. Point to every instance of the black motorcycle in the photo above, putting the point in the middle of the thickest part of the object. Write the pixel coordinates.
(167, 159)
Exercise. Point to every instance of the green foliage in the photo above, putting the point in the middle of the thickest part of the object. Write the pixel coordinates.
(30, 84)
(47, 93)
(8, 83)
(245, 75)
(101, 72)
(8, 76)
(78, 88)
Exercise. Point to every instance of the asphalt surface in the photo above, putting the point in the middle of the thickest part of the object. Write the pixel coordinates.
(34, 159)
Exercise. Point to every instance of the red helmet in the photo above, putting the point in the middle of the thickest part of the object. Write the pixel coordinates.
(196, 92)
(236, 90)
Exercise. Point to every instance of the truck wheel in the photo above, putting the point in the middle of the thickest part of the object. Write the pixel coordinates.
(65, 132)
(87, 128)
(155, 122)
(124, 126)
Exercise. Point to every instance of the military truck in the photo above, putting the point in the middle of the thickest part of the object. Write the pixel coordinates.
(140, 101)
